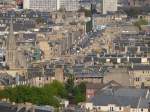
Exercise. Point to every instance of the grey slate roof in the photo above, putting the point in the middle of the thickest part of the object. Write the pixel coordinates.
(5, 107)
(104, 100)
(37, 110)
(131, 92)
(140, 67)
(121, 97)
(44, 109)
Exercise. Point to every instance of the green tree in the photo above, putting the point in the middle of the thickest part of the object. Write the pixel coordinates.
(76, 93)
(39, 20)
(70, 84)
(133, 12)
(49, 94)
(56, 88)
(80, 93)
(141, 22)
(87, 12)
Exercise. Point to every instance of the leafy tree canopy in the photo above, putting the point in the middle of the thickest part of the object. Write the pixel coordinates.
(141, 22)
(47, 95)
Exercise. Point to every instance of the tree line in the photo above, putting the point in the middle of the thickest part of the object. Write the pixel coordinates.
(49, 94)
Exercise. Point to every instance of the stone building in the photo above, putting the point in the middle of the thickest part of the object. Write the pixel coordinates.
(140, 75)
(11, 50)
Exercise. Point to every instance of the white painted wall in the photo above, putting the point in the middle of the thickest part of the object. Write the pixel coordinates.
(89, 106)
(138, 110)
(26, 4)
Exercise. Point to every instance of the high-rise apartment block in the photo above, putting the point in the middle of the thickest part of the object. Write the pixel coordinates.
(69, 5)
(109, 6)
(51, 5)
(42, 5)
(138, 3)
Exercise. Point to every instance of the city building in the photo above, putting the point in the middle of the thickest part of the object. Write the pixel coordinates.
(51, 5)
(19, 4)
(44, 46)
(59, 74)
(89, 74)
(92, 88)
(109, 6)
(38, 81)
(101, 21)
(140, 75)
(88, 77)
(119, 99)
(42, 5)
(145, 17)
(138, 3)
(68, 5)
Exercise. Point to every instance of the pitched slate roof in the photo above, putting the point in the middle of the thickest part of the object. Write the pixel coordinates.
(140, 67)
(121, 97)
(104, 100)
(5, 107)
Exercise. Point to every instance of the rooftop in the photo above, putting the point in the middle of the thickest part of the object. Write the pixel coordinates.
(139, 67)
(122, 97)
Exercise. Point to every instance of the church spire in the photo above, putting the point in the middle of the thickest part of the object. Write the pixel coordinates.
(11, 48)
